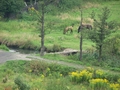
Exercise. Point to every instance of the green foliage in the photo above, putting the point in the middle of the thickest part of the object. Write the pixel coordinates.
(21, 83)
(112, 44)
(37, 67)
(28, 16)
(99, 84)
(69, 4)
(97, 79)
(89, 73)
(82, 76)
(57, 84)
(9, 7)
(61, 69)
(54, 48)
(16, 66)
(4, 47)
(101, 30)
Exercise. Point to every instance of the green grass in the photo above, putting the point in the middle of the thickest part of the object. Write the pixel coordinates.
(24, 34)
(4, 47)
(40, 75)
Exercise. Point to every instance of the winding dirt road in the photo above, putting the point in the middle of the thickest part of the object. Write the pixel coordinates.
(7, 56)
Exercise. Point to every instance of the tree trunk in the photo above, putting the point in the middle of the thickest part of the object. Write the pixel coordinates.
(100, 52)
(81, 38)
(42, 33)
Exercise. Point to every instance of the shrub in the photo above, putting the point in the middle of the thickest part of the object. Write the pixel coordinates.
(112, 77)
(99, 74)
(61, 69)
(36, 67)
(4, 47)
(114, 86)
(83, 76)
(20, 82)
(55, 48)
(99, 84)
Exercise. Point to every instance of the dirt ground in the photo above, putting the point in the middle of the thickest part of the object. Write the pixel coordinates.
(5, 56)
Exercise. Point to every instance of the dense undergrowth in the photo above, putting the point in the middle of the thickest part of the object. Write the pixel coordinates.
(37, 75)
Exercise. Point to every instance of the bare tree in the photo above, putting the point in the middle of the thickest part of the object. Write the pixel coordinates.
(44, 4)
(81, 37)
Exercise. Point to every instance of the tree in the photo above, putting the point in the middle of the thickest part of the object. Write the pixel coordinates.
(102, 28)
(41, 14)
(81, 37)
(8, 7)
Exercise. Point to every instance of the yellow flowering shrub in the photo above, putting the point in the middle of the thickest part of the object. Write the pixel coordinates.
(99, 73)
(114, 86)
(99, 84)
(90, 69)
(83, 76)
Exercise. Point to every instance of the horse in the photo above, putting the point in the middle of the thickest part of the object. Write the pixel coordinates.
(69, 28)
(83, 26)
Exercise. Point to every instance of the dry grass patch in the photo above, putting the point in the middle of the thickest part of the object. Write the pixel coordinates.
(90, 5)
(23, 40)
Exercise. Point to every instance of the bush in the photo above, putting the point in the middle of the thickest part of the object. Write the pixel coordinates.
(55, 48)
(36, 67)
(114, 86)
(61, 69)
(99, 84)
(82, 76)
(20, 82)
(4, 47)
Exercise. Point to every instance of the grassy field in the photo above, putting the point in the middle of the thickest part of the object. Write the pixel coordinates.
(24, 34)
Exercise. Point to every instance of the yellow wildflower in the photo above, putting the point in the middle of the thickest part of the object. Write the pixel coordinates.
(42, 76)
(61, 75)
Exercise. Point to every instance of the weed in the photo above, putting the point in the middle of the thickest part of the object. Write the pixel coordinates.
(4, 47)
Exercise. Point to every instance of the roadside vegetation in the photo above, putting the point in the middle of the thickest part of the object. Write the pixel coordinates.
(23, 32)
(37, 75)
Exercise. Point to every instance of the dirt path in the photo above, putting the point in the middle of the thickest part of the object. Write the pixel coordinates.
(6, 56)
